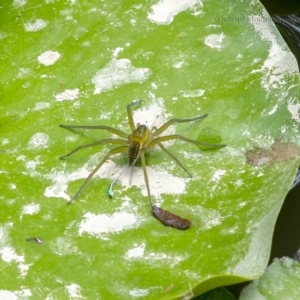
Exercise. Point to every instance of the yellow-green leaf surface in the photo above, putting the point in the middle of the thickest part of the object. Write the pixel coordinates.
(81, 63)
(280, 281)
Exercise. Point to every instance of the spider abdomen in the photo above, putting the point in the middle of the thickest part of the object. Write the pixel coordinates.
(133, 152)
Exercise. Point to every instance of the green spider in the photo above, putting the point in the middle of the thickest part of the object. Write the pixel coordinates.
(136, 144)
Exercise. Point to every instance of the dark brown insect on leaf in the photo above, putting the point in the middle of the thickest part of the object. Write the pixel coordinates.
(36, 239)
(169, 219)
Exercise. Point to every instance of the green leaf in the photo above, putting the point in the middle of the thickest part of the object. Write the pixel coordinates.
(81, 63)
(280, 281)
(217, 294)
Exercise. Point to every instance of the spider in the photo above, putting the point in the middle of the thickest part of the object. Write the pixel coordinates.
(136, 144)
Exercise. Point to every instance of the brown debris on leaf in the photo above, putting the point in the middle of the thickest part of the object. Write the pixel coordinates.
(169, 219)
(280, 152)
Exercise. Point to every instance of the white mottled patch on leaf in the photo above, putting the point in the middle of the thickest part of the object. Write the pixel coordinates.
(171, 259)
(67, 95)
(116, 51)
(139, 293)
(273, 110)
(218, 175)
(15, 295)
(103, 224)
(38, 140)
(60, 184)
(151, 116)
(136, 252)
(3, 35)
(214, 41)
(294, 109)
(41, 105)
(209, 217)
(279, 62)
(193, 93)
(164, 11)
(118, 72)
(12, 186)
(178, 64)
(37, 25)
(24, 72)
(64, 245)
(19, 3)
(9, 255)
(48, 58)
(31, 209)
(5, 142)
(161, 181)
(8, 295)
(74, 291)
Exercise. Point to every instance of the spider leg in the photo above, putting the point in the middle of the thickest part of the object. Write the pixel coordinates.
(129, 113)
(174, 158)
(110, 129)
(131, 175)
(146, 177)
(110, 153)
(172, 121)
(110, 189)
(180, 137)
(113, 141)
